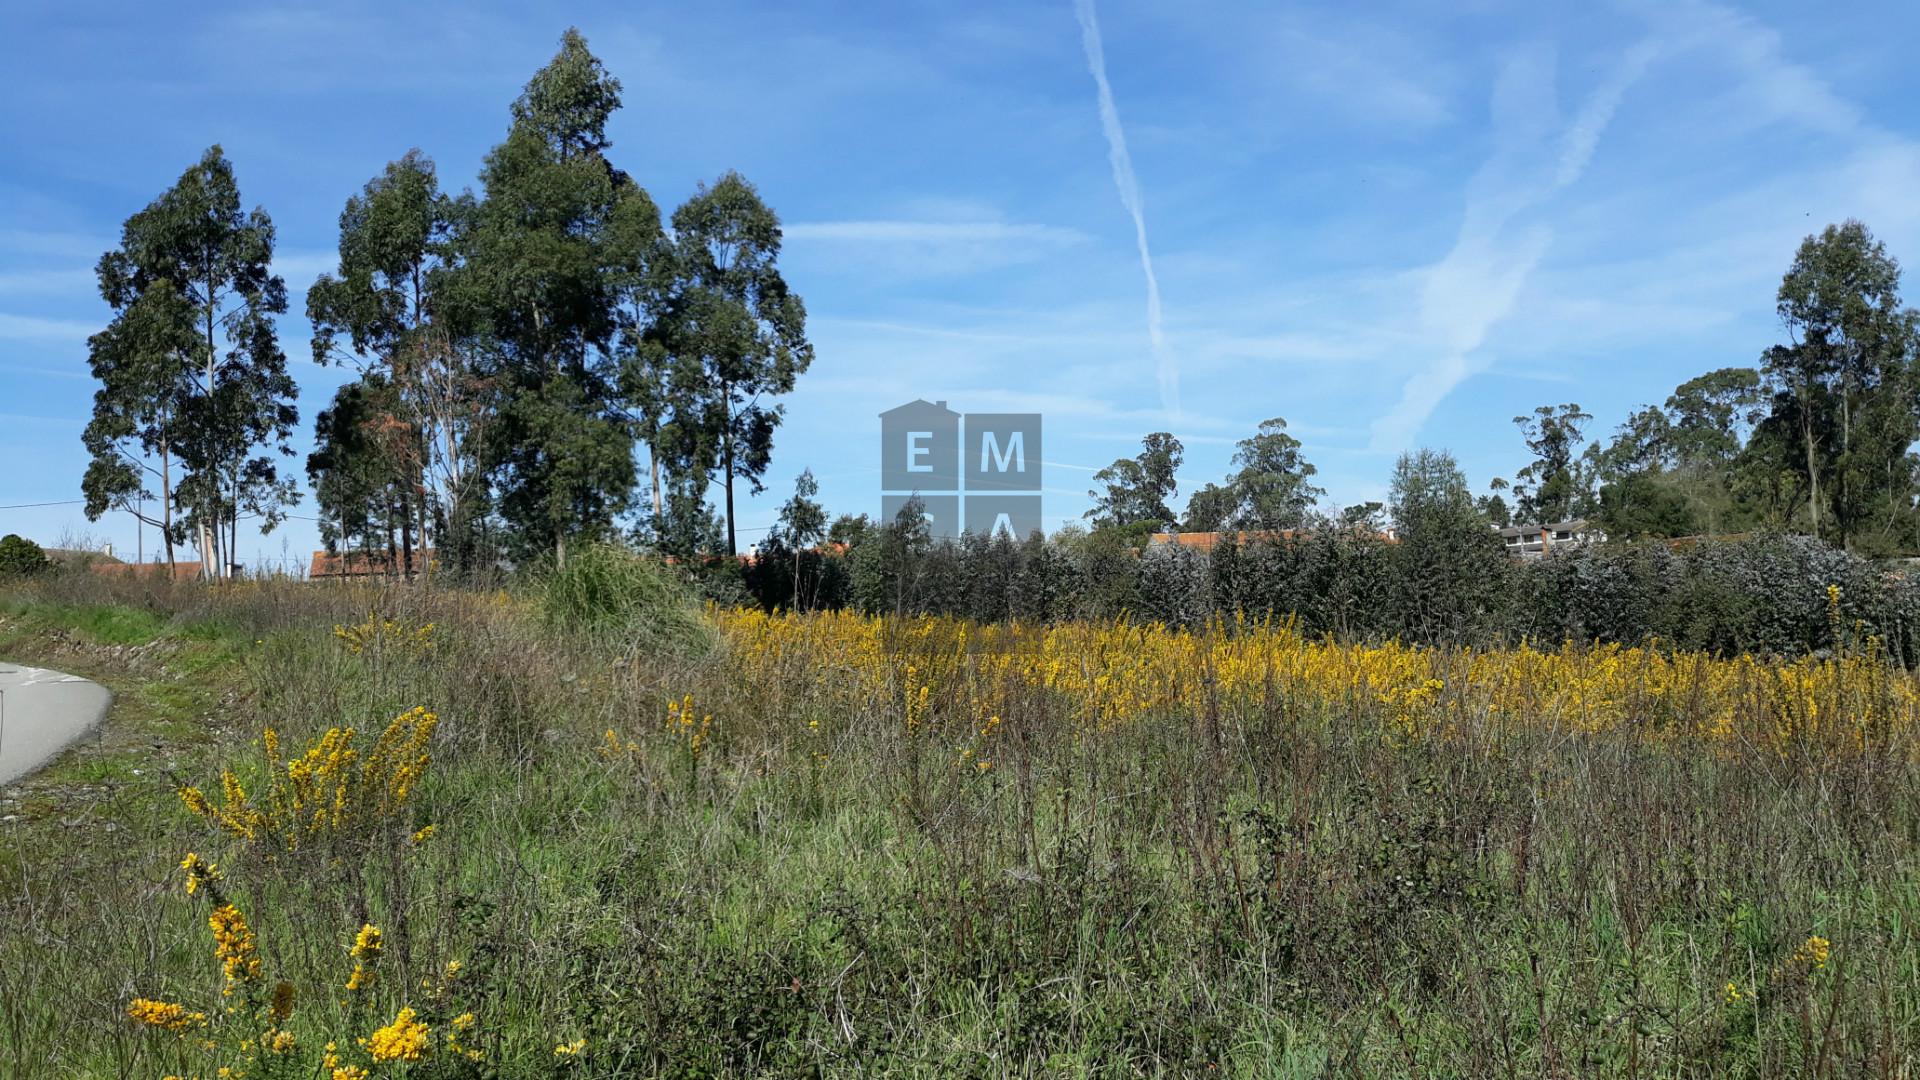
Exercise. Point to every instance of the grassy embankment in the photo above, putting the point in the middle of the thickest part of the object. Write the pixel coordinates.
(739, 846)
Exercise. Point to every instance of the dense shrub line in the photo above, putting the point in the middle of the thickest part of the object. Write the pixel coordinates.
(1770, 594)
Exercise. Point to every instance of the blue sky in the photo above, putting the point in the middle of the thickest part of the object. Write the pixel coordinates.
(1394, 225)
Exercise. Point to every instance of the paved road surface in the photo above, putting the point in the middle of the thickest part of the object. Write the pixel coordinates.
(41, 713)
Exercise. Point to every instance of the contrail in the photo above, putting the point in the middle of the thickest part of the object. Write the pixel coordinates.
(1167, 373)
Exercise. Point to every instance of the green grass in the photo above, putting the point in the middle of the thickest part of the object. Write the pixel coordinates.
(1309, 900)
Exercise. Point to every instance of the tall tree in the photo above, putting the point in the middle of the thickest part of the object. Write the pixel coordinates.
(640, 269)
(731, 338)
(362, 468)
(1135, 491)
(560, 446)
(1427, 483)
(1452, 566)
(382, 314)
(1274, 479)
(1552, 486)
(141, 361)
(1211, 508)
(1844, 384)
(801, 526)
(191, 367)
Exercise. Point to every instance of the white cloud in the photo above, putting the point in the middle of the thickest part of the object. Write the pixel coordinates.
(37, 328)
(916, 232)
(47, 282)
(1477, 284)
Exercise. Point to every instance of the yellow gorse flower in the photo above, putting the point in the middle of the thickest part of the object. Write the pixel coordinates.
(366, 949)
(334, 788)
(934, 674)
(1812, 954)
(681, 721)
(234, 945)
(200, 873)
(165, 1014)
(406, 1039)
(378, 636)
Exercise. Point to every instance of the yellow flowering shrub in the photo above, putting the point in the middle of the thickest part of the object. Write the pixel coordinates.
(406, 1039)
(377, 636)
(167, 1015)
(936, 672)
(254, 1036)
(334, 788)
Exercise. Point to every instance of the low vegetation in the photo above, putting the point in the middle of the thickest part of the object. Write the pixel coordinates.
(433, 833)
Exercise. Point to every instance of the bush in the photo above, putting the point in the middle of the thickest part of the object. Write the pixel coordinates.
(626, 599)
(20, 557)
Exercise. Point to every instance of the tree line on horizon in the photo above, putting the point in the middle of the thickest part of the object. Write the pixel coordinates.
(1816, 438)
(513, 350)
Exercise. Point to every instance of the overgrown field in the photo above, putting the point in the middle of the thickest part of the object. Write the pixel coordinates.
(458, 834)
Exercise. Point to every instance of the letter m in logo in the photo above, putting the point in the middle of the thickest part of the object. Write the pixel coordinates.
(1003, 451)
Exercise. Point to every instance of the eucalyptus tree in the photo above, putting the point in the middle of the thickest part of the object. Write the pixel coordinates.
(559, 446)
(1274, 479)
(383, 313)
(141, 362)
(190, 368)
(731, 337)
(1135, 491)
(362, 468)
(1553, 486)
(640, 269)
(1843, 386)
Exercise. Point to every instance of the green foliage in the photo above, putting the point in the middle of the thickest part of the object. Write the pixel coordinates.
(1552, 487)
(401, 439)
(1135, 491)
(731, 337)
(1272, 484)
(20, 556)
(1844, 387)
(558, 445)
(190, 368)
(620, 596)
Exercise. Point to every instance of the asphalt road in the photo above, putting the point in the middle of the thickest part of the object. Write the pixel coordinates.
(41, 713)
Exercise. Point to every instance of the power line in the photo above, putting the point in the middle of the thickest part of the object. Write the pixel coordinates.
(29, 506)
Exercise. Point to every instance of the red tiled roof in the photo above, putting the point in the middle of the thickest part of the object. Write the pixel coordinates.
(349, 564)
(181, 570)
(1207, 541)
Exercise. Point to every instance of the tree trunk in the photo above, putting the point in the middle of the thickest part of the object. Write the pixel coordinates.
(1813, 477)
(726, 442)
(653, 456)
(406, 538)
(233, 531)
(166, 504)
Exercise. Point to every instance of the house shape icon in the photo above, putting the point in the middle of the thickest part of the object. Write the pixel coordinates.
(920, 448)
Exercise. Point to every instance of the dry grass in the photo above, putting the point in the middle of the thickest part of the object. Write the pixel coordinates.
(806, 870)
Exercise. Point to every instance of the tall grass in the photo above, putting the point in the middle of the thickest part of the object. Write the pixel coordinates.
(622, 598)
(806, 869)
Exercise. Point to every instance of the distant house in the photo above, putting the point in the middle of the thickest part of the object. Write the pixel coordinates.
(355, 565)
(1535, 541)
(76, 558)
(178, 570)
(1207, 541)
